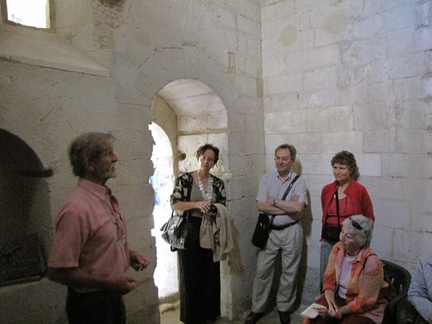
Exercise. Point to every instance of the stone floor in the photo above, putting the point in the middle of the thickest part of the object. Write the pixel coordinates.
(171, 316)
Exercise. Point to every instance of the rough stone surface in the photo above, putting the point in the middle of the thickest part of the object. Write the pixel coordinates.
(324, 76)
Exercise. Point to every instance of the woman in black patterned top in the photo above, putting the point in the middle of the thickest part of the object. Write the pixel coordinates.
(199, 281)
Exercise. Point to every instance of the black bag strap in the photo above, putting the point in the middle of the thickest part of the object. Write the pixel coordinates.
(290, 186)
(188, 194)
(189, 190)
(286, 194)
(386, 276)
(185, 214)
(367, 256)
(337, 206)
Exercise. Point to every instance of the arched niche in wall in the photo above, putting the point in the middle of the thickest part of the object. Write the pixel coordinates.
(24, 193)
(192, 114)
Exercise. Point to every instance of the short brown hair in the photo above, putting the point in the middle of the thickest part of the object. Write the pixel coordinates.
(206, 147)
(291, 148)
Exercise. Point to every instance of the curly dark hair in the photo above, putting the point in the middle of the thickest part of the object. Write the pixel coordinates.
(348, 159)
(206, 147)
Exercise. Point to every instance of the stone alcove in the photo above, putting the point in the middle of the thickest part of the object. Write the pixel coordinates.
(25, 218)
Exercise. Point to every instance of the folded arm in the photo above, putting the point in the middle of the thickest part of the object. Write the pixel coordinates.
(281, 207)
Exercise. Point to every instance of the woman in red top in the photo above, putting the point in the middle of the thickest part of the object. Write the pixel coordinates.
(342, 198)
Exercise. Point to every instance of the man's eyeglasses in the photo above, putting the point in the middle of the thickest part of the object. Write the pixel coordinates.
(355, 224)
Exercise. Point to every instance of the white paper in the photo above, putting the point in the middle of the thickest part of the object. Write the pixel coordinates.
(310, 312)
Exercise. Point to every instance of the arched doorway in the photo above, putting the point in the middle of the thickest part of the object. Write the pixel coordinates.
(162, 181)
(189, 114)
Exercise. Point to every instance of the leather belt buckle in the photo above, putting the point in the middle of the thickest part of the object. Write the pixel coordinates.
(279, 228)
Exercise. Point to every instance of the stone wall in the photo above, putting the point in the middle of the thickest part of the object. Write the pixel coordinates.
(100, 71)
(327, 76)
(355, 75)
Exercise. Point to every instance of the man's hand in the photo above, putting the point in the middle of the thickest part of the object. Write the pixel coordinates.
(270, 201)
(282, 207)
(78, 278)
(138, 261)
(123, 285)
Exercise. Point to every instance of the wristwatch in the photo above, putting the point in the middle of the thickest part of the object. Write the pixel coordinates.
(274, 201)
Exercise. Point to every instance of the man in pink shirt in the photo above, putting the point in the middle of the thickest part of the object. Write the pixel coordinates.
(90, 253)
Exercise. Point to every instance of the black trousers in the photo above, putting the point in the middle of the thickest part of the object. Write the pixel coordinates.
(199, 286)
(99, 307)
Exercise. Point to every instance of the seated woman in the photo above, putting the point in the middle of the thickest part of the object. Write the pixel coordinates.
(420, 290)
(353, 278)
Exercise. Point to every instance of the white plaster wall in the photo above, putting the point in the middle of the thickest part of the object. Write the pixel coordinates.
(355, 75)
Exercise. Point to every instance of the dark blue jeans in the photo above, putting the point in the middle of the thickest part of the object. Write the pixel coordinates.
(99, 307)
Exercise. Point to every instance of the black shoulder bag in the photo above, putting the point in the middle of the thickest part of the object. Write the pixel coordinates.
(263, 225)
(329, 232)
(177, 231)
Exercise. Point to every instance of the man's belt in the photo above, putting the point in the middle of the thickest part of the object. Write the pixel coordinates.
(281, 227)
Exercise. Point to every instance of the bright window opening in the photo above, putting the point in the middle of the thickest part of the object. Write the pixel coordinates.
(33, 13)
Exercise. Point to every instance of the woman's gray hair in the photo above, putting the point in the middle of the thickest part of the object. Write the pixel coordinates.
(88, 145)
(362, 226)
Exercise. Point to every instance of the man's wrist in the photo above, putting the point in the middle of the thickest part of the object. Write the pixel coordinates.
(274, 201)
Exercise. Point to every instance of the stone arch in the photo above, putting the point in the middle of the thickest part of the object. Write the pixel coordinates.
(24, 195)
(188, 62)
(191, 114)
(200, 117)
(244, 126)
(162, 181)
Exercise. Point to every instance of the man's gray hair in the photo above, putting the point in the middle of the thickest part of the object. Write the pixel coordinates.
(291, 148)
(88, 145)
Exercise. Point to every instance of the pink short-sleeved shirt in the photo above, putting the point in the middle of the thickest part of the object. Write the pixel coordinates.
(90, 233)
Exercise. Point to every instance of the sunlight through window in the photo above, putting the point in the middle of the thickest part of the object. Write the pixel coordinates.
(34, 13)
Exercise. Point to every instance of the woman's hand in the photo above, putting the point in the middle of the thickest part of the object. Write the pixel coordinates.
(212, 211)
(203, 205)
(322, 312)
(334, 311)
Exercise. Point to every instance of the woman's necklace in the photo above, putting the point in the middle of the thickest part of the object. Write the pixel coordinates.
(206, 193)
